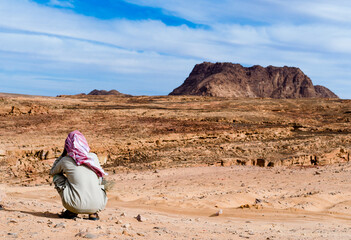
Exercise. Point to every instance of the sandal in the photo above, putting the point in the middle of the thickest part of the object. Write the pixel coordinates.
(94, 217)
(68, 215)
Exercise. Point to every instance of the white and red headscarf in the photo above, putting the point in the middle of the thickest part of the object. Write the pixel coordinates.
(77, 148)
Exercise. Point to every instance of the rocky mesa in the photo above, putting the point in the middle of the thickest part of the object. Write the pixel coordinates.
(234, 80)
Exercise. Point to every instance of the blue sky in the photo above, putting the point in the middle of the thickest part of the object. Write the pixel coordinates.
(148, 47)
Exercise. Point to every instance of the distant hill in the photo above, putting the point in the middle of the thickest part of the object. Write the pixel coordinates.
(104, 92)
(234, 80)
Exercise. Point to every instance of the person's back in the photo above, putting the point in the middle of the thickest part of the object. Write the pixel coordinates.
(77, 176)
(82, 192)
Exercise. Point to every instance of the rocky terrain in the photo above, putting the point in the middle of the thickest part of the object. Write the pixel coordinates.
(191, 166)
(234, 80)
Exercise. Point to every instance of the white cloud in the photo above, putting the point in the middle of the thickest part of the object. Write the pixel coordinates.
(62, 3)
(267, 11)
(337, 11)
(211, 12)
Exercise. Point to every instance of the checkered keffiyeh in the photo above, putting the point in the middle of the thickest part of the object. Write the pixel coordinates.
(77, 148)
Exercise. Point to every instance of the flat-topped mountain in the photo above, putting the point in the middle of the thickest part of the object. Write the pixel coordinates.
(234, 80)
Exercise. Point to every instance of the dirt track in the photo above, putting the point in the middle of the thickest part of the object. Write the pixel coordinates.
(278, 203)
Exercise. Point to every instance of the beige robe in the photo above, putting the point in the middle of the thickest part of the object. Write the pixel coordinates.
(79, 186)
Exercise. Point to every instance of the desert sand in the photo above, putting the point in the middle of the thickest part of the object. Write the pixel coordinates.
(191, 167)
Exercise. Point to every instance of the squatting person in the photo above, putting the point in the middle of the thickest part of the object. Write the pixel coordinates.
(77, 176)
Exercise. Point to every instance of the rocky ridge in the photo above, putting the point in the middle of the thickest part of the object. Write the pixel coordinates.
(234, 80)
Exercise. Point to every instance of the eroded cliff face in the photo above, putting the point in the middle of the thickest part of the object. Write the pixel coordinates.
(234, 80)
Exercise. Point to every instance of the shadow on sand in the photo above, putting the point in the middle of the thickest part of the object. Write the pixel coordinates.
(36, 214)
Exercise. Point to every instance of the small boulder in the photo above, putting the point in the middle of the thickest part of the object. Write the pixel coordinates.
(60, 225)
(127, 225)
(140, 218)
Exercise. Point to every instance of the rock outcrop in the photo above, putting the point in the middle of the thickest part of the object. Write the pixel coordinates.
(324, 92)
(234, 80)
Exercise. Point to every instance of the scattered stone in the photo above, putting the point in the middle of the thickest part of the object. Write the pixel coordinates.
(245, 206)
(124, 232)
(34, 234)
(60, 225)
(22, 215)
(119, 222)
(219, 212)
(127, 225)
(77, 219)
(86, 235)
(83, 230)
(90, 236)
(242, 236)
(140, 218)
(257, 201)
(12, 234)
(11, 220)
(80, 234)
(123, 214)
(2, 153)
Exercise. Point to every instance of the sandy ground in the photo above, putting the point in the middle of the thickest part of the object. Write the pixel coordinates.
(181, 203)
(164, 156)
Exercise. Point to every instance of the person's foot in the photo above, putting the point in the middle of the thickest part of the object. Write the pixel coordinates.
(68, 215)
(94, 217)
